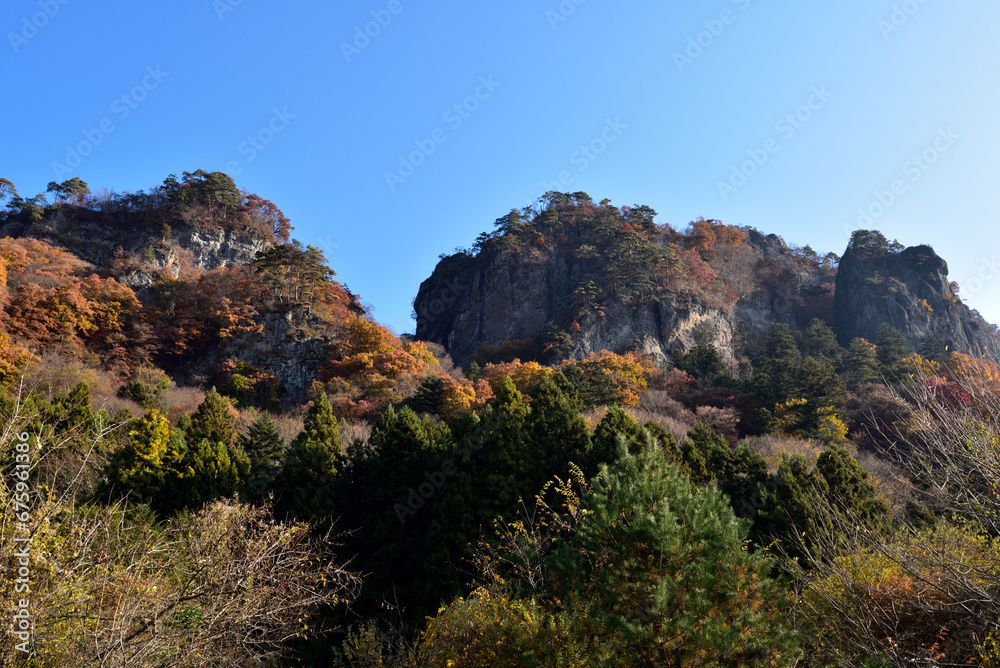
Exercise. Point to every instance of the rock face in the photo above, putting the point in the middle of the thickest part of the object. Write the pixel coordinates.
(910, 291)
(94, 240)
(495, 297)
(292, 346)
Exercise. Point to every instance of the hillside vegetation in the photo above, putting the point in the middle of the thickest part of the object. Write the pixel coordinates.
(221, 459)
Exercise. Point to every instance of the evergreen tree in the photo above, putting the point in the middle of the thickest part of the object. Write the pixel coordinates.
(860, 363)
(307, 481)
(265, 449)
(429, 397)
(594, 387)
(557, 433)
(660, 568)
(891, 349)
(149, 464)
(932, 349)
(820, 342)
(212, 421)
(791, 509)
(210, 470)
(850, 487)
(705, 365)
(817, 382)
(773, 371)
(616, 424)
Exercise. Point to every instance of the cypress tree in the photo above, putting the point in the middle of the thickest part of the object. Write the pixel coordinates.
(860, 363)
(212, 421)
(307, 481)
(264, 448)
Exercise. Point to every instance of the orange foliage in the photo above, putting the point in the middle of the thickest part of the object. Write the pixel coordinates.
(373, 361)
(13, 359)
(462, 396)
(524, 374)
(630, 372)
(190, 315)
(51, 299)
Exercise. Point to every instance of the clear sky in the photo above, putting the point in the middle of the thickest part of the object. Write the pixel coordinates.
(358, 138)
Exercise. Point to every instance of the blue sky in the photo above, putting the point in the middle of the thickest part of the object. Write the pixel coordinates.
(792, 117)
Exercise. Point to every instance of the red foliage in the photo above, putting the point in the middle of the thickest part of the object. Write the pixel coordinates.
(51, 298)
(262, 212)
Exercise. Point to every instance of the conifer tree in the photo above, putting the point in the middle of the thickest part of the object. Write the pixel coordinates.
(820, 342)
(659, 565)
(307, 481)
(861, 363)
(892, 349)
(557, 432)
(616, 423)
(212, 421)
(265, 449)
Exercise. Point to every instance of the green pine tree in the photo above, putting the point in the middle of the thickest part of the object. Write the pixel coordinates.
(860, 364)
(659, 567)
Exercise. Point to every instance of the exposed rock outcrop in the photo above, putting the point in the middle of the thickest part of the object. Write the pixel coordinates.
(90, 237)
(908, 290)
(497, 296)
(511, 291)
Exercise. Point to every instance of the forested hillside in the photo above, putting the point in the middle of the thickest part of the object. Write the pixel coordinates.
(610, 443)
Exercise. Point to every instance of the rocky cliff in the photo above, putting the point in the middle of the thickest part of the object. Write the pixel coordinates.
(712, 284)
(101, 240)
(909, 290)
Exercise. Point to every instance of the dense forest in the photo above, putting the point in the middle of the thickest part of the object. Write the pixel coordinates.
(213, 455)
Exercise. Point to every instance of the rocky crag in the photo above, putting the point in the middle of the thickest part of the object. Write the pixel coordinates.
(712, 284)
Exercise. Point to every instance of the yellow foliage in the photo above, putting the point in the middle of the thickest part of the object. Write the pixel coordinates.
(630, 372)
(524, 374)
(832, 428)
(13, 359)
(922, 366)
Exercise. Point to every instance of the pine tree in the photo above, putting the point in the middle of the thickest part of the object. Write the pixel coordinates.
(820, 342)
(617, 424)
(892, 349)
(850, 488)
(932, 349)
(557, 433)
(429, 397)
(660, 568)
